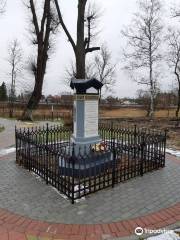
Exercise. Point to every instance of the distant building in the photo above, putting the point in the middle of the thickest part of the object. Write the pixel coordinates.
(128, 102)
(49, 99)
(43, 99)
(67, 99)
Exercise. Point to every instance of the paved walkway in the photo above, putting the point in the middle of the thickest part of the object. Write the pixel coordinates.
(142, 195)
(7, 138)
(29, 209)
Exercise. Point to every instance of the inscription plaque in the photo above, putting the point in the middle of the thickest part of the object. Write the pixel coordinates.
(91, 118)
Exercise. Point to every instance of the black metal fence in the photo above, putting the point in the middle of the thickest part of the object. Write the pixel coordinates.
(76, 171)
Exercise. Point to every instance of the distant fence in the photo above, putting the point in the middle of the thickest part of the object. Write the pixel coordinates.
(44, 111)
(64, 110)
(123, 153)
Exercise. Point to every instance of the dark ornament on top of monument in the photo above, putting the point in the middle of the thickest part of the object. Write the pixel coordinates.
(82, 85)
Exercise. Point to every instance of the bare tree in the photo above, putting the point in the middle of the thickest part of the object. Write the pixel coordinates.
(92, 16)
(70, 72)
(15, 62)
(142, 53)
(83, 44)
(100, 67)
(2, 6)
(103, 68)
(173, 58)
(43, 28)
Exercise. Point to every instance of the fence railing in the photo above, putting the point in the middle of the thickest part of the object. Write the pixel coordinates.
(76, 171)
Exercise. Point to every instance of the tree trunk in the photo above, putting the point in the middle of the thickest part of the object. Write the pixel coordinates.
(178, 104)
(80, 48)
(39, 78)
(11, 105)
(33, 102)
(12, 92)
(151, 112)
(42, 36)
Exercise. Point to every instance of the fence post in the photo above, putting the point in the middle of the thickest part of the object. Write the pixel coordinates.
(142, 156)
(47, 152)
(73, 164)
(16, 142)
(21, 149)
(52, 113)
(135, 140)
(29, 146)
(114, 164)
(47, 159)
(165, 138)
(111, 135)
(47, 134)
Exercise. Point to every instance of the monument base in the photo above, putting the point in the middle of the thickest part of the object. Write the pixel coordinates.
(85, 140)
(84, 144)
(88, 166)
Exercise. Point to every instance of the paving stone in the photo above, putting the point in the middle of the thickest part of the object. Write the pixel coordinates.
(22, 193)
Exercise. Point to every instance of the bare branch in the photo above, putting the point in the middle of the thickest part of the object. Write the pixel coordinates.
(91, 16)
(2, 6)
(105, 69)
(64, 26)
(100, 67)
(83, 43)
(35, 21)
(92, 49)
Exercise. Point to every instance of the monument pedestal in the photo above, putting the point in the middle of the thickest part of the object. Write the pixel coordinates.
(85, 120)
(86, 115)
(88, 161)
(85, 112)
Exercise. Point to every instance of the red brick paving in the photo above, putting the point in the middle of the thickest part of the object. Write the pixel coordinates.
(173, 158)
(7, 157)
(16, 227)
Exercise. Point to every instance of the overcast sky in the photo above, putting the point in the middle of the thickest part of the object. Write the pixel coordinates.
(116, 13)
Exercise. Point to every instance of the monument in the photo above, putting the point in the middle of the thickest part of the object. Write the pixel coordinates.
(85, 111)
(88, 161)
